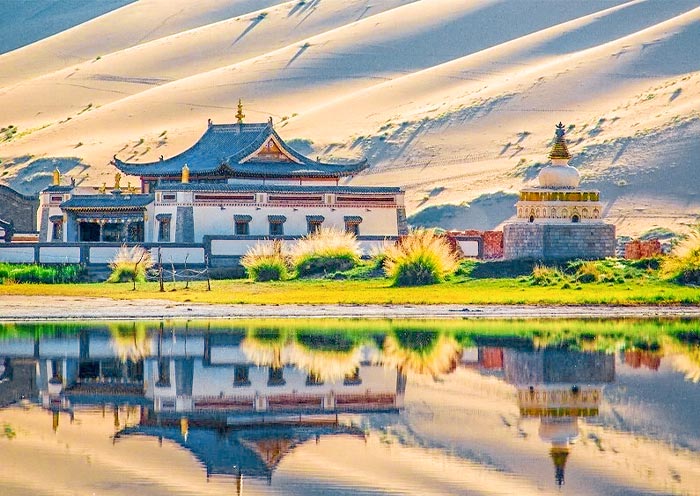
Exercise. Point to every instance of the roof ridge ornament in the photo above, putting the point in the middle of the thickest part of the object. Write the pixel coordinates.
(559, 149)
(239, 114)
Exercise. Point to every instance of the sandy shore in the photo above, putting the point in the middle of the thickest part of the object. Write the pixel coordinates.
(45, 308)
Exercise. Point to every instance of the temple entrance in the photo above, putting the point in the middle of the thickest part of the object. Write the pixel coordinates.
(111, 232)
(89, 232)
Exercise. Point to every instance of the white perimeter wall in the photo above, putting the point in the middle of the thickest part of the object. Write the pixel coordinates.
(59, 254)
(17, 255)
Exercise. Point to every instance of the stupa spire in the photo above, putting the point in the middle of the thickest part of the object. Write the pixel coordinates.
(240, 115)
(559, 456)
(559, 150)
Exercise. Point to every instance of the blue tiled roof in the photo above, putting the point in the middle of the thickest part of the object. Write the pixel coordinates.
(223, 147)
(55, 189)
(105, 202)
(273, 188)
(235, 451)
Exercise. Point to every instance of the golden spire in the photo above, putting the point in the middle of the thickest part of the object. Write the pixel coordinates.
(240, 115)
(559, 455)
(559, 149)
(185, 174)
(56, 177)
(117, 181)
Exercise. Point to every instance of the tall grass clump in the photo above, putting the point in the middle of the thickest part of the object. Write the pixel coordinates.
(683, 265)
(44, 274)
(130, 264)
(547, 276)
(266, 262)
(419, 258)
(325, 251)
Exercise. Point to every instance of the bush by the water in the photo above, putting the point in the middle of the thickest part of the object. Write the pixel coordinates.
(266, 262)
(419, 258)
(44, 274)
(683, 266)
(130, 264)
(325, 251)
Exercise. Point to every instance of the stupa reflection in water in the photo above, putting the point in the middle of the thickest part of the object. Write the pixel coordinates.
(557, 386)
(239, 401)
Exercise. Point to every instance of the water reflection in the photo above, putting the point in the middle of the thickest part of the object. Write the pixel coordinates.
(249, 401)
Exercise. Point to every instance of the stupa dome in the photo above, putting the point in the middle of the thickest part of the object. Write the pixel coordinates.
(559, 174)
(559, 431)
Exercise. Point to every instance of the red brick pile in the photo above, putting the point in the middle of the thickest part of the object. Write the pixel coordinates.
(638, 249)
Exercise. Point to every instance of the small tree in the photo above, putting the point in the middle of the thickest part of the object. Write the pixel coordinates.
(130, 264)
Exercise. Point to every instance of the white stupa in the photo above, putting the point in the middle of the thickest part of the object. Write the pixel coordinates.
(558, 198)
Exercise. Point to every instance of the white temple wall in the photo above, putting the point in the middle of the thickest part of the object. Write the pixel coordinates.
(215, 220)
(212, 381)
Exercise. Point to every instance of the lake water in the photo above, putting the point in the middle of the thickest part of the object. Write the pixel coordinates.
(352, 407)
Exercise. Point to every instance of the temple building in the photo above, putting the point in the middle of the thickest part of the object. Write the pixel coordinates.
(239, 181)
(558, 219)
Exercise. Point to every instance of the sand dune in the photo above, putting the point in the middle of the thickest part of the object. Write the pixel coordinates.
(453, 100)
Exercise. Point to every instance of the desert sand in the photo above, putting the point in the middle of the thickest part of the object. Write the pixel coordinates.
(455, 101)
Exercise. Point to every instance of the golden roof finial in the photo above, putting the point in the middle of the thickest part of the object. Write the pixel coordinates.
(103, 188)
(240, 115)
(56, 177)
(559, 150)
(559, 456)
(185, 174)
(117, 180)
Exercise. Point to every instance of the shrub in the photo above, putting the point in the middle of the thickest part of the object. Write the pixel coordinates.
(587, 272)
(683, 266)
(266, 262)
(325, 251)
(53, 274)
(547, 276)
(422, 257)
(130, 265)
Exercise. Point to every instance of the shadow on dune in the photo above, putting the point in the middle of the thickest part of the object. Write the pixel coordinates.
(38, 174)
(484, 213)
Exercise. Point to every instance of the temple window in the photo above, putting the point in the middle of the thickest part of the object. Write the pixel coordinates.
(241, 225)
(532, 218)
(276, 224)
(352, 224)
(313, 223)
(163, 227)
(112, 232)
(276, 377)
(57, 228)
(575, 218)
(88, 231)
(163, 373)
(134, 232)
(314, 379)
(240, 376)
(353, 379)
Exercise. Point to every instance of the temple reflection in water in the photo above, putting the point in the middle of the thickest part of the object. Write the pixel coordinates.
(241, 399)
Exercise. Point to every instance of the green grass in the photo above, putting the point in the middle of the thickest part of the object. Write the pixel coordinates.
(381, 291)
(31, 273)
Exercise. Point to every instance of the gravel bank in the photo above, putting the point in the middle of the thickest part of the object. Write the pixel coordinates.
(45, 308)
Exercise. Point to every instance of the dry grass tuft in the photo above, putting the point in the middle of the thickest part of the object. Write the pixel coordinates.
(419, 258)
(266, 262)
